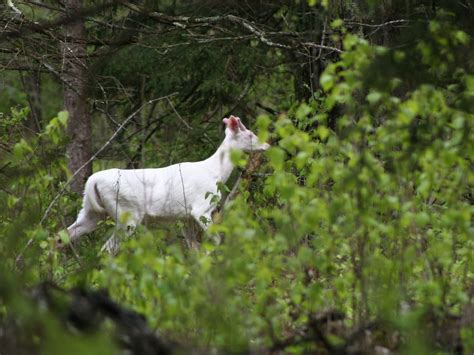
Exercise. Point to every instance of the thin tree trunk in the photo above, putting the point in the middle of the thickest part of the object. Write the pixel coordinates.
(75, 101)
(32, 87)
(308, 66)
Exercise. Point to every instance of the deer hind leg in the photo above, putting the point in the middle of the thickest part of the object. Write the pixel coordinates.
(112, 244)
(86, 222)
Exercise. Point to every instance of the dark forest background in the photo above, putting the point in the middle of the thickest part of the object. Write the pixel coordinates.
(352, 234)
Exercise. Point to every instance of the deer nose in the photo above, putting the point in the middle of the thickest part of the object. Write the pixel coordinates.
(265, 146)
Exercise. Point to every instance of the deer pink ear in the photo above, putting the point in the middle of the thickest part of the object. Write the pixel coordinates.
(241, 125)
(233, 123)
(226, 121)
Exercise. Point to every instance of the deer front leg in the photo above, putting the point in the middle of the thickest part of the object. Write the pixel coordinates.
(203, 217)
(112, 245)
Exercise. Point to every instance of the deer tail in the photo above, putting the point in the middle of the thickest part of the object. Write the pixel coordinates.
(92, 198)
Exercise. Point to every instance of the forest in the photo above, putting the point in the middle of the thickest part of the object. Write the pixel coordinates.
(350, 232)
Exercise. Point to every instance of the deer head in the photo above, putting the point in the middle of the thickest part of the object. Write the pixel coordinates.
(239, 137)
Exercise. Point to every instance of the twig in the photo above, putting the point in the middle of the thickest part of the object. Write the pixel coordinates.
(323, 37)
(4, 166)
(50, 69)
(233, 191)
(184, 22)
(189, 242)
(186, 123)
(33, 27)
(260, 34)
(177, 114)
(394, 22)
(12, 6)
(320, 46)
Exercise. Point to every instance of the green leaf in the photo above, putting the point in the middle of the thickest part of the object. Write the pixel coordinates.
(63, 118)
(374, 97)
(238, 157)
(322, 132)
(470, 82)
(327, 81)
(462, 37)
(276, 156)
(458, 122)
(21, 148)
(64, 236)
(337, 23)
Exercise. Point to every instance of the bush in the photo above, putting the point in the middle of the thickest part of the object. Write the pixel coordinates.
(367, 212)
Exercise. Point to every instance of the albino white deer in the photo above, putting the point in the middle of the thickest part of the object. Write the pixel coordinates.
(173, 192)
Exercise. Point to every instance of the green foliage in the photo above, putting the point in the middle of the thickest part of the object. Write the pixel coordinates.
(369, 214)
(31, 173)
(373, 219)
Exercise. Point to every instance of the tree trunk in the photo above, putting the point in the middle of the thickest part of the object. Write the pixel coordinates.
(308, 66)
(306, 74)
(79, 127)
(32, 87)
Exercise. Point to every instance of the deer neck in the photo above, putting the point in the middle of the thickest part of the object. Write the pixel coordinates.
(220, 163)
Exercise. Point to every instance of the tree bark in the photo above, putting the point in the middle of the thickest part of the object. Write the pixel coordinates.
(79, 127)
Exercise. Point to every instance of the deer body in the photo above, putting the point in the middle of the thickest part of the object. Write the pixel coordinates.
(174, 192)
